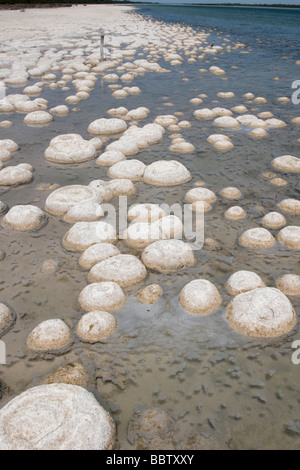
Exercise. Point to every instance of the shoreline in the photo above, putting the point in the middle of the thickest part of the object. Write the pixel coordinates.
(37, 5)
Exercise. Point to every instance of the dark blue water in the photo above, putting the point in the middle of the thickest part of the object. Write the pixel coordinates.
(274, 31)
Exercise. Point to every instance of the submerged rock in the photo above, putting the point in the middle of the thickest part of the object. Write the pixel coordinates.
(72, 374)
(150, 294)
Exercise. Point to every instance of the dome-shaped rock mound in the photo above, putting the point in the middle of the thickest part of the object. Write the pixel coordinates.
(37, 118)
(7, 318)
(128, 169)
(200, 297)
(125, 270)
(290, 205)
(62, 199)
(150, 294)
(290, 237)
(70, 152)
(96, 326)
(200, 194)
(243, 281)
(107, 126)
(166, 256)
(55, 417)
(107, 296)
(25, 218)
(287, 163)
(50, 335)
(96, 253)
(231, 193)
(84, 234)
(166, 173)
(145, 213)
(235, 213)
(110, 158)
(289, 284)
(141, 234)
(273, 220)
(264, 312)
(16, 175)
(257, 238)
(85, 212)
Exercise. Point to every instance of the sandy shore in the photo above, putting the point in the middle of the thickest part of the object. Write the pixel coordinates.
(17, 24)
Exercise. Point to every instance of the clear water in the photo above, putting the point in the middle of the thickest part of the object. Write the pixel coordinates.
(160, 356)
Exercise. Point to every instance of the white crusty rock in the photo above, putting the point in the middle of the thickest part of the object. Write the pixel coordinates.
(61, 110)
(96, 253)
(110, 157)
(289, 284)
(50, 335)
(257, 238)
(166, 173)
(231, 193)
(55, 417)
(273, 220)
(72, 151)
(150, 294)
(25, 218)
(62, 199)
(7, 318)
(204, 113)
(166, 120)
(85, 212)
(84, 234)
(107, 126)
(200, 297)
(37, 118)
(166, 256)
(290, 237)
(125, 270)
(107, 296)
(96, 326)
(145, 213)
(8, 144)
(141, 234)
(16, 175)
(226, 121)
(264, 312)
(128, 169)
(243, 281)
(290, 205)
(287, 163)
(235, 213)
(200, 194)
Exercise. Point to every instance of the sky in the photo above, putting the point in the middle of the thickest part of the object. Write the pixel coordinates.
(249, 2)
